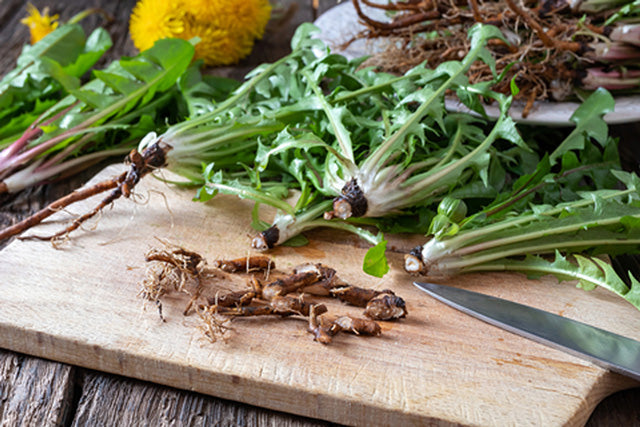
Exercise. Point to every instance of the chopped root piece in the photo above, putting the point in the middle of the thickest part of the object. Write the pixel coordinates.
(288, 284)
(180, 258)
(321, 330)
(287, 306)
(357, 325)
(324, 330)
(172, 269)
(156, 283)
(327, 279)
(245, 264)
(186, 264)
(355, 295)
(321, 270)
(386, 307)
(379, 305)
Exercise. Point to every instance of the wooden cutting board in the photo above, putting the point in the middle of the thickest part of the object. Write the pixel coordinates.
(79, 304)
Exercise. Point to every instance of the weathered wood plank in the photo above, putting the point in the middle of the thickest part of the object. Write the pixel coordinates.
(14, 35)
(34, 392)
(113, 400)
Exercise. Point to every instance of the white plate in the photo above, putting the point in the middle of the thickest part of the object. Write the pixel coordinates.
(341, 24)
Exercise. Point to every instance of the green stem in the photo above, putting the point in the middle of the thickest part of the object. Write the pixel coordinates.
(465, 236)
(471, 263)
(187, 147)
(375, 88)
(455, 144)
(250, 193)
(435, 175)
(538, 269)
(364, 234)
(534, 235)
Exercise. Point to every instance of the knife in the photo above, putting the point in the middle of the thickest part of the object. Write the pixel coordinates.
(606, 349)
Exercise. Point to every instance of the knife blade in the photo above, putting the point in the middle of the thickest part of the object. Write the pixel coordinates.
(603, 348)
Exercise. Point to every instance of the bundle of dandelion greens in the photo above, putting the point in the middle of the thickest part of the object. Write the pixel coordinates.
(42, 136)
(30, 90)
(94, 120)
(541, 237)
(412, 154)
(219, 132)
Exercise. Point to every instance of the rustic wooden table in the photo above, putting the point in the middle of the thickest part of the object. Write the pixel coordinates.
(39, 392)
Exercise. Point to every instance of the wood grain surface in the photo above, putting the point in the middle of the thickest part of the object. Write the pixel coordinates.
(79, 304)
(81, 396)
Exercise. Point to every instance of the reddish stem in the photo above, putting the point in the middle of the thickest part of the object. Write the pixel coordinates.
(15, 147)
(33, 132)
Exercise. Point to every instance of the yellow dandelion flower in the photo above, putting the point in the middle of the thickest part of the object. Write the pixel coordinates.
(248, 17)
(152, 20)
(227, 29)
(39, 25)
(219, 46)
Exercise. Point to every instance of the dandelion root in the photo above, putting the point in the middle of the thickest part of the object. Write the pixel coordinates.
(141, 164)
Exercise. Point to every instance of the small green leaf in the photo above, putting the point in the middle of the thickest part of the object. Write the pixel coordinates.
(118, 83)
(480, 33)
(630, 222)
(302, 36)
(97, 44)
(62, 45)
(375, 261)
(515, 90)
(589, 123)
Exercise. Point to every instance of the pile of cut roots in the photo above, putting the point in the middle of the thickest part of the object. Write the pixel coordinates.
(173, 269)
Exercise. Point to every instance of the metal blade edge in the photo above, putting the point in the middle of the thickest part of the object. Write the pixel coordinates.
(603, 348)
